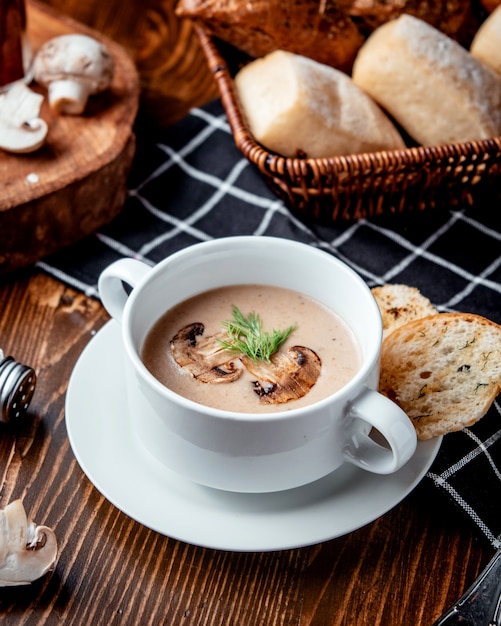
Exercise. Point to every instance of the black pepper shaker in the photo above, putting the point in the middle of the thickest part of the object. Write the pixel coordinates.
(17, 385)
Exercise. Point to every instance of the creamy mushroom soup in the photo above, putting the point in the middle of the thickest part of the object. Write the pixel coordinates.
(188, 350)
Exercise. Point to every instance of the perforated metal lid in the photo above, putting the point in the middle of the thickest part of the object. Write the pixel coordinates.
(17, 386)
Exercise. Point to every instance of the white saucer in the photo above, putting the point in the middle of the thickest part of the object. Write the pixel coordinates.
(99, 433)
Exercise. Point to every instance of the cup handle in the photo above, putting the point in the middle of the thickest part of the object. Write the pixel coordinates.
(391, 422)
(112, 283)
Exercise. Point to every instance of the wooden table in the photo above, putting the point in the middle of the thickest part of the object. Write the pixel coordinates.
(403, 569)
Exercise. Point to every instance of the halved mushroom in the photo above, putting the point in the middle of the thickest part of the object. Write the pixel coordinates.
(21, 130)
(27, 551)
(288, 376)
(203, 357)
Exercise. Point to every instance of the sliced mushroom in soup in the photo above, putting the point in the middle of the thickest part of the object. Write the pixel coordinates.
(197, 345)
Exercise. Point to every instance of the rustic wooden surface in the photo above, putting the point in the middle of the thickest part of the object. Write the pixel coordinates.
(72, 196)
(403, 569)
(172, 67)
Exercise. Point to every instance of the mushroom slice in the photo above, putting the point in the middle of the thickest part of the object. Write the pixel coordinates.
(203, 357)
(288, 376)
(27, 551)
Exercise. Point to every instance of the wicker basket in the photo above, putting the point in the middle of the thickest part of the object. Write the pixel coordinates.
(362, 185)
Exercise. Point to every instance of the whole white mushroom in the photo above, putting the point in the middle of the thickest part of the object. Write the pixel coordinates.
(72, 68)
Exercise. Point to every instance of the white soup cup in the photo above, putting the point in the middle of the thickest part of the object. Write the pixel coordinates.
(256, 452)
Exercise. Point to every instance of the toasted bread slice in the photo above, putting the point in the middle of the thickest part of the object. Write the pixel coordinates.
(443, 370)
(400, 304)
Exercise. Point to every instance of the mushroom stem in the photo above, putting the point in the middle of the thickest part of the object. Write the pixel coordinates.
(68, 96)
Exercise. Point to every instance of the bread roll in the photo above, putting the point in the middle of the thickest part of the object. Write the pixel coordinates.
(432, 86)
(486, 45)
(296, 106)
(317, 29)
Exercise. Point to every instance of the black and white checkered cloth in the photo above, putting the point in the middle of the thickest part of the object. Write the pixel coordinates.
(189, 183)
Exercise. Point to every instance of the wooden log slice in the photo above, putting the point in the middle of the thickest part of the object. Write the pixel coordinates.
(76, 182)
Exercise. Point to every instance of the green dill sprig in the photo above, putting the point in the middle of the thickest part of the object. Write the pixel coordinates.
(246, 335)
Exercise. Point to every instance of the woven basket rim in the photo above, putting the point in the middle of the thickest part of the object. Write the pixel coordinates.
(275, 163)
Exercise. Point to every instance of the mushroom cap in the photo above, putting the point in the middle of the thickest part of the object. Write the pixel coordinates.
(77, 57)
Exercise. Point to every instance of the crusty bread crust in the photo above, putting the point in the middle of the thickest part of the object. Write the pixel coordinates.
(316, 29)
(326, 31)
(400, 304)
(490, 5)
(455, 18)
(443, 370)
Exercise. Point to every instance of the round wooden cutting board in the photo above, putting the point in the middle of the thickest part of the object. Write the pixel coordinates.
(76, 182)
